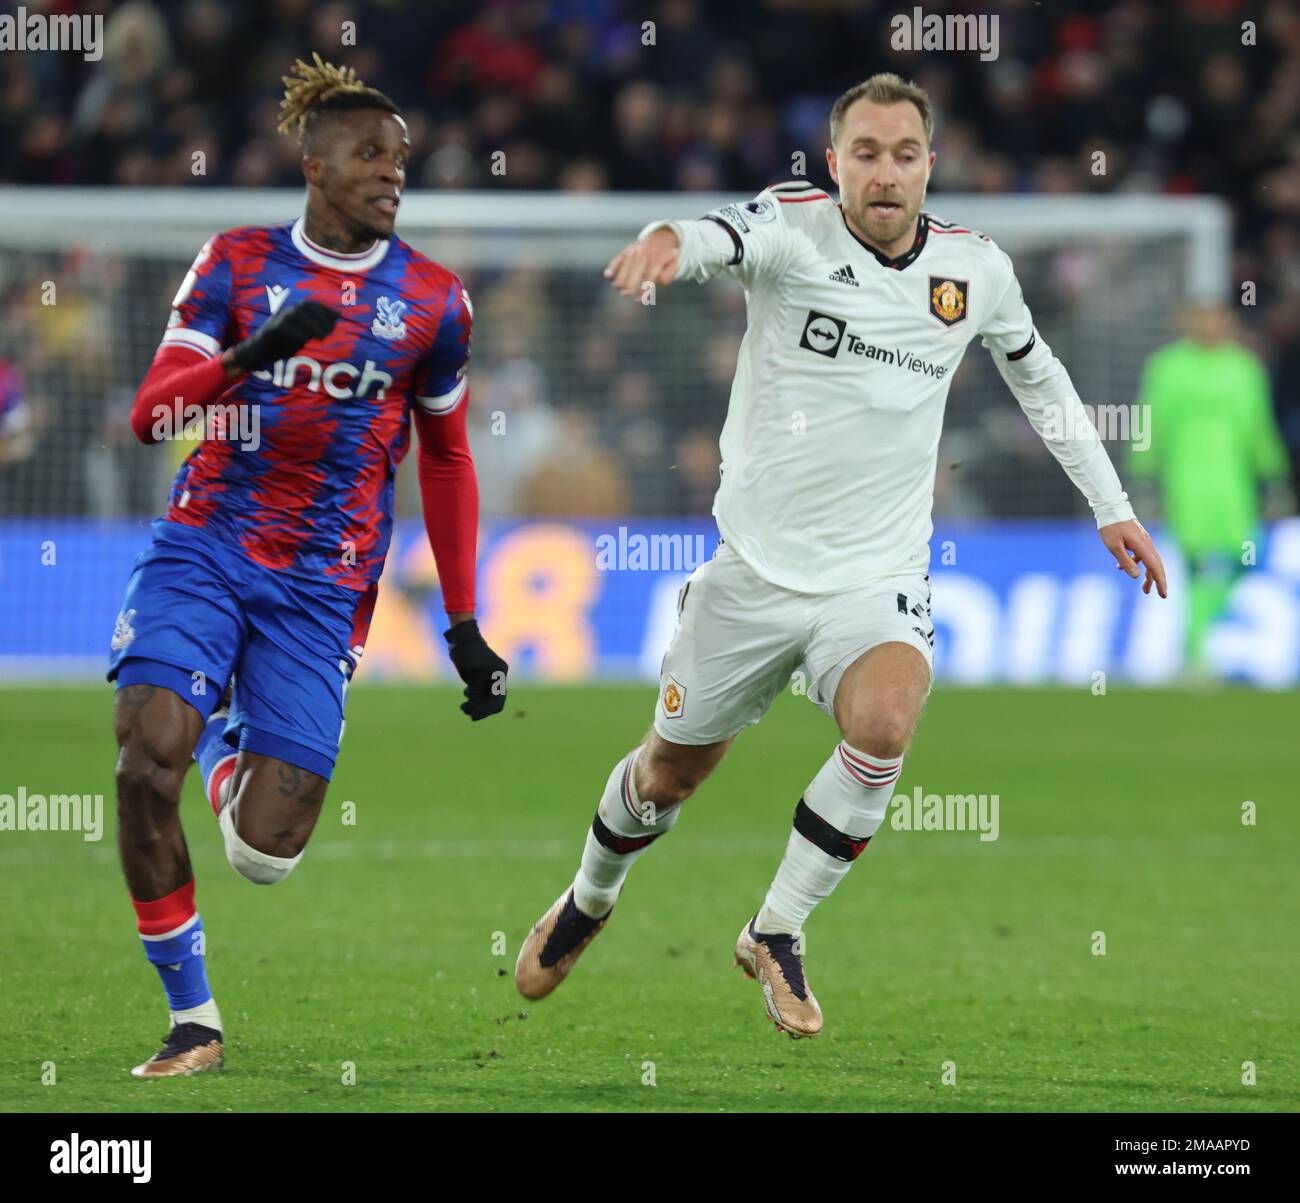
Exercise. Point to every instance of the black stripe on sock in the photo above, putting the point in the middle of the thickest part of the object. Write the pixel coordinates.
(622, 844)
(829, 839)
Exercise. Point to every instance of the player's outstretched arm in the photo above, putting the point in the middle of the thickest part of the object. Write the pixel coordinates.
(1134, 550)
(750, 241)
(652, 259)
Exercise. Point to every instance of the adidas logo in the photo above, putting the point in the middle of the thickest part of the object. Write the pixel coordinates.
(845, 276)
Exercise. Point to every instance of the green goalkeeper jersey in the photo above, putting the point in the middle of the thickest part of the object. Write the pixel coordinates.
(1213, 440)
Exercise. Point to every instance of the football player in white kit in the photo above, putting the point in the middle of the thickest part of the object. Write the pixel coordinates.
(859, 314)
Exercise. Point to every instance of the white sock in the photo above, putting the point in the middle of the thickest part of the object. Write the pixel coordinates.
(622, 819)
(205, 1013)
(841, 809)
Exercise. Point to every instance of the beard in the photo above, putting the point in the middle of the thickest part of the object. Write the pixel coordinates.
(363, 227)
(374, 233)
(883, 230)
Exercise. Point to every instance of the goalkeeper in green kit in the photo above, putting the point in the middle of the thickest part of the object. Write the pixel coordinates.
(1214, 447)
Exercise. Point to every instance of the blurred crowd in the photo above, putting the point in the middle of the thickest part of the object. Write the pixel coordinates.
(682, 95)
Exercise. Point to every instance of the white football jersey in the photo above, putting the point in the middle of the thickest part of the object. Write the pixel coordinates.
(832, 432)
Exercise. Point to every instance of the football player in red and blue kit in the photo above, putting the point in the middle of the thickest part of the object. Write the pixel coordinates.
(310, 347)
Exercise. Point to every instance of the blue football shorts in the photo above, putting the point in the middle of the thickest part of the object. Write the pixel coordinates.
(197, 610)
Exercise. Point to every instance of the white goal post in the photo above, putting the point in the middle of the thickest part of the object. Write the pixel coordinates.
(87, 276)
(508, 229)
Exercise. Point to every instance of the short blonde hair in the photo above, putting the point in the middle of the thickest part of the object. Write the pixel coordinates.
(885, 88)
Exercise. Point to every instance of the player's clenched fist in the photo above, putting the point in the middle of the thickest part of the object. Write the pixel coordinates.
(482, 670)
(284, 335)
(650, 259)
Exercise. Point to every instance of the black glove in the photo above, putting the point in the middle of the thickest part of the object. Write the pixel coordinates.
(482, 670)
(285, 334)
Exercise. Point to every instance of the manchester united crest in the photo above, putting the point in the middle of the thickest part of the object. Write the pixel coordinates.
(674, 698)
(948, 299)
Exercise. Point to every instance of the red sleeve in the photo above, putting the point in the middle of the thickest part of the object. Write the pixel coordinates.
(449, 492)
(175, 381)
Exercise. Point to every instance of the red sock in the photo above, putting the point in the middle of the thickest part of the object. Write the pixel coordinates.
(220, 775)
(165, 914)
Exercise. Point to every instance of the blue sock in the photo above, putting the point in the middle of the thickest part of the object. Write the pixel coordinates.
(180, 962)
(212, 748)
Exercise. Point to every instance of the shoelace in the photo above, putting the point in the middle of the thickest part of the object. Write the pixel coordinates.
(183, 1037)
(571, 928)
(781, 947)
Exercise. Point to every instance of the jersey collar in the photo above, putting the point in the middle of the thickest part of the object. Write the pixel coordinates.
(357, 261)
(908, 256)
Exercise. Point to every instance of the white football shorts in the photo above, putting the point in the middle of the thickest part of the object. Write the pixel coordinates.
(740, 639)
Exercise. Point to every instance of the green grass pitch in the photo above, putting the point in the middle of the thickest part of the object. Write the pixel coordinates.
(1119, 814)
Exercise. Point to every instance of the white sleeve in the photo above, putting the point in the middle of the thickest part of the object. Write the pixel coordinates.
(704, 248)
(748, 240)
(1042, 386)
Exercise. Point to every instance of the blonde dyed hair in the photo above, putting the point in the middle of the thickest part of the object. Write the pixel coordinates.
(312, 88)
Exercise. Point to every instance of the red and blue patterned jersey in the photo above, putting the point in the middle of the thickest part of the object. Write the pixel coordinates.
(302, 477)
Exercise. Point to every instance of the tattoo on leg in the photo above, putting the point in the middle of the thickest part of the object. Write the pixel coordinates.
(290, 779)
(135, 696)
(295, 781)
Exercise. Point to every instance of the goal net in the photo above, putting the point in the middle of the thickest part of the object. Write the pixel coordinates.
(585, 404)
